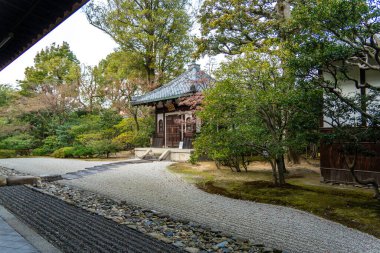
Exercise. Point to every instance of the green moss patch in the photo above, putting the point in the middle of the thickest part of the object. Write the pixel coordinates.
(348, 205)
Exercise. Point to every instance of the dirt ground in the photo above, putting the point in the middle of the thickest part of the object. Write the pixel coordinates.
(312, 165)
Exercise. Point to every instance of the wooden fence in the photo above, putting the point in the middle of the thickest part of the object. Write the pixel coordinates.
(334, 169)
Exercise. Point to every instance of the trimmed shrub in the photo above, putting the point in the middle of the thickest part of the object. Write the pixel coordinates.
(50, 144)
(64, 152)
(21, 141)
(40, 152)
(7, 153)
(82, 151)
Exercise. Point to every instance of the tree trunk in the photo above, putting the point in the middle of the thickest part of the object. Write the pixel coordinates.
(281, 169)
(370, 181)
(274, 172)
(150, 70)
(244, 163)
(136, 122)
(293, 157)
(237, 166)
(313, 150)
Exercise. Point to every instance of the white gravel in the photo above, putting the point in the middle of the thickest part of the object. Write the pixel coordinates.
(47, 166)
(151, 185)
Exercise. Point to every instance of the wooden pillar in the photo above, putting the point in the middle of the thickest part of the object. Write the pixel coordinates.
(363, 96)
(155, 121)
(164, 121)
(183, 124)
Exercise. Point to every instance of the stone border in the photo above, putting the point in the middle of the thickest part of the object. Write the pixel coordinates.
(29, 234)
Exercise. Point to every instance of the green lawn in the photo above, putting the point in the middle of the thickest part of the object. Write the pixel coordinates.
(348, 205)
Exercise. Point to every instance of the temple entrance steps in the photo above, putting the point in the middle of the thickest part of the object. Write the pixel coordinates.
(164, 154)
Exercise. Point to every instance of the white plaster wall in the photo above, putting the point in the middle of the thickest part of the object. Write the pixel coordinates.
(373, 77)
(349, 89)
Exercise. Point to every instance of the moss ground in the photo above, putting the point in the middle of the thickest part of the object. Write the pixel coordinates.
(348, 205)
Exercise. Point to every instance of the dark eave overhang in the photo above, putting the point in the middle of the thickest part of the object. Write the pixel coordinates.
(24, 22)
(153, 101)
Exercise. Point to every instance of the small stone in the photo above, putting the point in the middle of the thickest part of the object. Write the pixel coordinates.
(147, 223)
(118, 219)
(192, 250)
(132, 226)
(215, 230)
(267, 250)
(142, 230)
(169, 233)
(155, 235)
(221, 245)
(178, 244)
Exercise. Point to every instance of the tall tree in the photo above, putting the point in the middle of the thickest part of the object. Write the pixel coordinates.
(54, 78)
(120, 77)
(90, 94)
(337, 47)
(262, 111)
(156, 31)
(337, 38)
(50, 90)
(238, 27)
(226, 26)
(6, 94)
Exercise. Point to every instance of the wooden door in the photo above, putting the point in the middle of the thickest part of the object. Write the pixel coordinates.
(173, 131)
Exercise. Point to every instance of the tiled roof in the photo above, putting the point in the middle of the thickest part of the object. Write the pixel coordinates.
(183, 85)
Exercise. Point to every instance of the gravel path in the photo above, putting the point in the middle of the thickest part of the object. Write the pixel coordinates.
(152, 186)
(47, 166)
(72, 229)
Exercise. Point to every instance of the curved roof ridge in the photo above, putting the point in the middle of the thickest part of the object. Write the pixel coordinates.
(179, 86)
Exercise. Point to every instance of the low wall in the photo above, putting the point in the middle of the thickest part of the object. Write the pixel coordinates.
(176, 155)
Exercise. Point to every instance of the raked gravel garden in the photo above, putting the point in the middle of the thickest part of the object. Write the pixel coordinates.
(149, 198)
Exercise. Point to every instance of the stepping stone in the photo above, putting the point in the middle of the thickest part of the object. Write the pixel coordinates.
(18, 180)
(3, 180)
(84, 172)
(50, 178)
(70, 176)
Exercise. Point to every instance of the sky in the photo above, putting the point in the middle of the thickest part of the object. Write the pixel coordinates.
(88, 43)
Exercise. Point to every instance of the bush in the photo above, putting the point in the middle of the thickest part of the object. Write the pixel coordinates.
(18, 142)
(50, 144)
(7, 153)
(125, 141)
(64, 152)
(103, 147)
(40, 152)
(82, 151)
